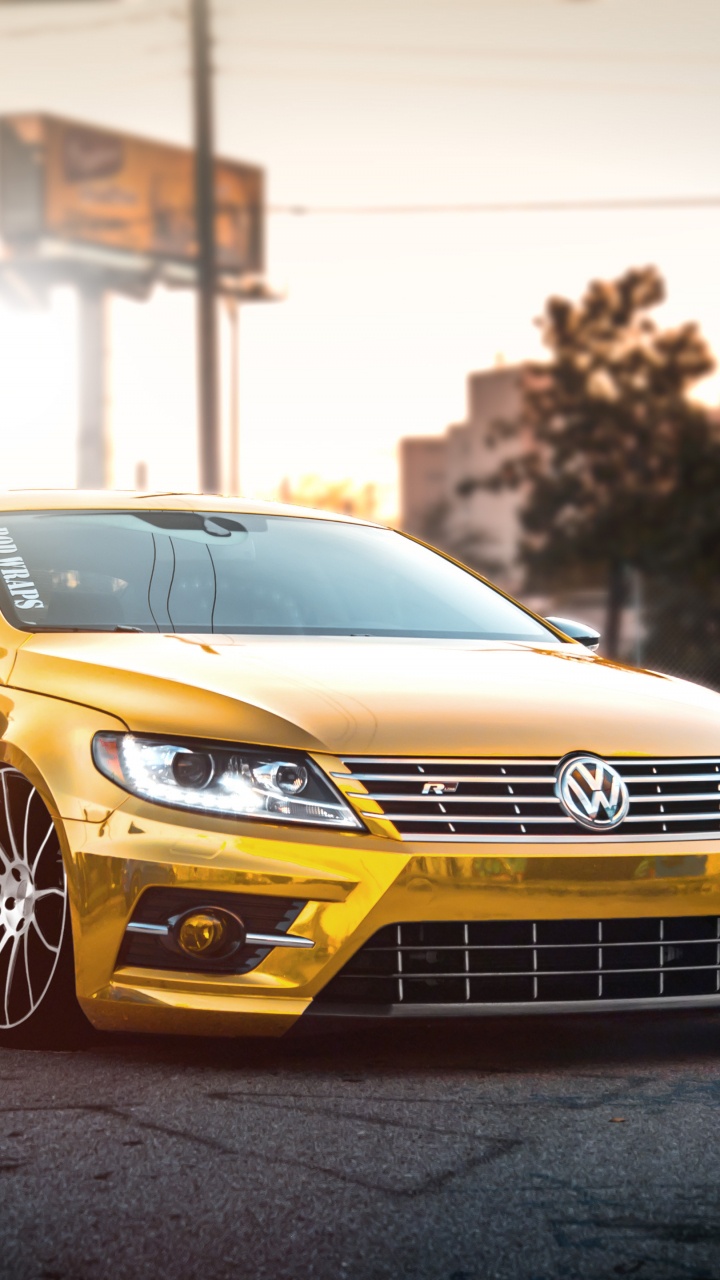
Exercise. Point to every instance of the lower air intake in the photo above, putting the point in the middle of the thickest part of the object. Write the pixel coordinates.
(261, 913)
(530, 962)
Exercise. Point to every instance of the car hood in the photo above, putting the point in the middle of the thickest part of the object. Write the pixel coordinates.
(365, 695)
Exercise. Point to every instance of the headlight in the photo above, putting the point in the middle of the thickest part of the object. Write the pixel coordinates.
(230, 782)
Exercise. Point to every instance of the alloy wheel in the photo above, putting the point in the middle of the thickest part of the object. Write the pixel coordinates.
(33, 900)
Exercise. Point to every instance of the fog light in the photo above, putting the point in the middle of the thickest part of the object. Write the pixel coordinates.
(201, 934)
(206, 933)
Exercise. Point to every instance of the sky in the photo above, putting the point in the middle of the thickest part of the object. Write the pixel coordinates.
(364, 114)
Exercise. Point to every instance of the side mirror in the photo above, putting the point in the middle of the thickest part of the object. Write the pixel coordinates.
(579, 631)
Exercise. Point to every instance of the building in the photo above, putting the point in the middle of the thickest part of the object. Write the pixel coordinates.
(437, 498)
(423, 482)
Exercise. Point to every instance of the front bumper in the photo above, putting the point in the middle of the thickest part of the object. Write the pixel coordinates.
(352, 886)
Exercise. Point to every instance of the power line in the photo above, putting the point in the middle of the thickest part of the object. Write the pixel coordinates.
(394, 80)
(97, 24)
(617, 204)
(491, 54)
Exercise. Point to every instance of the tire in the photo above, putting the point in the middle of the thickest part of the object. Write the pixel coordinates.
(38, 1005)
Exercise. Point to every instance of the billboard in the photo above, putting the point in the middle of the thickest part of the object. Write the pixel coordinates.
(77, 185)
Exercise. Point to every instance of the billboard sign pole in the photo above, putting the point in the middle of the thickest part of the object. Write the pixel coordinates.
(94, 448)
(112, 213)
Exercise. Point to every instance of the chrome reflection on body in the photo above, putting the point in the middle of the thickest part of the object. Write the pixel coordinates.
(251, 939)
(33, 899)
(593, 793)
(514, 801)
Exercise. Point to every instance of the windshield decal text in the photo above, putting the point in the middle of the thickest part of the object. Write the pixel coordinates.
(16, 575)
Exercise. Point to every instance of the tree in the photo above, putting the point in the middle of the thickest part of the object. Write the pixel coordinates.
(610, 448)
(682, 607)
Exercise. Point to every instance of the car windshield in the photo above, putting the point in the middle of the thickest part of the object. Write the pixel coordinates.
(210, 572)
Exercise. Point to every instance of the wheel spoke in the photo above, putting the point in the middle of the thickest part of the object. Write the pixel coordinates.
(26, 935)
(43, 939)
(6, 938)
(42, 847)
(10, 974)
(25, 824)
(11, 833)
(43, 893)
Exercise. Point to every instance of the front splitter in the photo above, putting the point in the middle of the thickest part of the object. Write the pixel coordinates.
(423, 1012)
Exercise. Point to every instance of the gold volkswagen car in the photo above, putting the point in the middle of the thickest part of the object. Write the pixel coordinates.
(260, 763)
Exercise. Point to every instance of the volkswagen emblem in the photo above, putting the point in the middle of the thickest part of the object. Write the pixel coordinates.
(592, 792)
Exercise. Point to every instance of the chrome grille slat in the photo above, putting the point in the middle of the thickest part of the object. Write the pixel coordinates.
(511, 818)
(519, 819)
(514, 801)
(537, 946)
(470, 799)
(523, 838)
(516, 779)
(673, 798)
(672, 777)
(511, 779)
(558, 973)
(520, 799)
(645, 762)
(675, 817)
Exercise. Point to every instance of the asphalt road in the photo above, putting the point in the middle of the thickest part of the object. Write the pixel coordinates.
(523, 1150)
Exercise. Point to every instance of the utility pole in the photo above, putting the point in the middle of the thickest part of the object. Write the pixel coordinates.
(233, 310)
(208, 398)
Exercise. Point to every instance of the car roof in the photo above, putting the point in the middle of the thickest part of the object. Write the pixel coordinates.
(130, 499)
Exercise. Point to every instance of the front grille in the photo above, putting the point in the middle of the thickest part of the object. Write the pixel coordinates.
(531, 962)
(515, 800)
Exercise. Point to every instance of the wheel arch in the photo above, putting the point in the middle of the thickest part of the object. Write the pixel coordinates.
(48, 741)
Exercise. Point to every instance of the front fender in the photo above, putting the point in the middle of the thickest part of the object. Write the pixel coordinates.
(49, 740)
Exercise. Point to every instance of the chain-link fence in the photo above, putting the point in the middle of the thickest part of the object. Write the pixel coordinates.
(681, 629)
